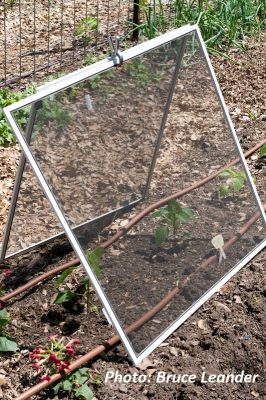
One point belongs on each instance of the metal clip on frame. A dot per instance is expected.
(116, 54)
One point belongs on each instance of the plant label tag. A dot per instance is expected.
(107, 316)
(218, 243)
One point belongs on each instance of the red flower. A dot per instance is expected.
(8, 272)
(36, 366)
(73, 341)
(70, 350)
(53, 358)
(2, 304)
(45, 378)
(64, 365)
(35, 355)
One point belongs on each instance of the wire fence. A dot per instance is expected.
(39, 37)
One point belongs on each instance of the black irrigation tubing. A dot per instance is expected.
(125, 229)
(115, 340)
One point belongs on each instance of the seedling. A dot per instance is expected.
(7, 344)
(170, 217)
(84, 287)
(85, 27)
(7, 97)
(262, 151)
(144, 75)
(53, 111)
(75, 384)
(235, 181)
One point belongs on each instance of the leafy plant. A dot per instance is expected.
(85, 26)
(262, 151)
(82, 288)
(153, 19)
(222, 23)
(8, 97)
(76, 385)
(54, 358)
(170, 217)
(235, 181)
(7, 344)
(52, 111)
(137, 69)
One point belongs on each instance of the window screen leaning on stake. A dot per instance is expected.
(103, 136)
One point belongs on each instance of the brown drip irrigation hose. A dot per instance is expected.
(114, 340)
(130, 224)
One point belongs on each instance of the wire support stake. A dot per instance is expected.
(116, 54)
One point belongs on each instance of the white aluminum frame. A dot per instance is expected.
(78, 76)
(49, 89)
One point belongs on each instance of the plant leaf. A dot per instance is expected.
(67, 385)
(224, 190)
(64, 296)
(262, 151)
(161, 234)
(237, 184)
(64, 275)
(94, 257)
(174, 207)
(85, 392)
(7, 344)
(226, 173)
(185, 214)
(157, 214)
(4, 318)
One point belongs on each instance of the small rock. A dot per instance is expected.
(3, 380)
(195, 342)
(255, 394)
(237, 299)
(173, 351)
(202, 324)
(124, 223)
(146, 363)
(222, 306)
(123, 388)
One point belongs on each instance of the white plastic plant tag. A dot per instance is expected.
(218, 243)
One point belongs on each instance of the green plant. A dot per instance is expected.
(76, 385)
(137, 69)
(54, 358)
(222, 22)
(7, 344)
(82, 288)
(170, 216)
(262, 152)
(52, 111)
(85, 26)
(11, 3)
(252, 116)
(235, 181)
(8, 97)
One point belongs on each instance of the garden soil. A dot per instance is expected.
(226, 335)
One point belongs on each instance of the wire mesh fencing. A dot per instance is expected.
(39, 37)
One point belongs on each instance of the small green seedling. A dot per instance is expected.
(7, 344)
(76, 385)
(262, 151)
(235, 181)
(86, 26)
(170, 217)
(82, 288)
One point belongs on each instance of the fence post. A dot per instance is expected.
(135, 34)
